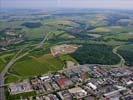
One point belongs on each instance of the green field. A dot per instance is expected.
(100, 30)
(67, 58)
(95, 35)
(11, 78)
(4, 58)
(114, 43)
(123, 36)
(37, 66)
(124, 20)
(116, 28)
(61, 22)
(98, 21)
(60, 34)
(1, 65)
(111, 29)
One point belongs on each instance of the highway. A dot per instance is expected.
(11, 62)
(2, 96)
(5, 70)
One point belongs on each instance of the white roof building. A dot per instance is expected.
(92, 86)
(44, 77)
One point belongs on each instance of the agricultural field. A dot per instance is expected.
(101, 30)
(111, 30)
(125, 20)
(120, 37)
(63, 22)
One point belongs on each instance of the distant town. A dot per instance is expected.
(10, 37)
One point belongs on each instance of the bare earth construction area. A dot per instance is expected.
(64, 49)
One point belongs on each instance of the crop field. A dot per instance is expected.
(98, 21)
(114, 42)
(60, 34)
(116, 28)
(125, 29)
(95, 35)
(100, 30)
(123, 36)
(125, 20)
(111, 29)
(67, 36)
(62, 22)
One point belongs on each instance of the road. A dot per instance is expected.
(42, 42)
(122, 62)
(3, 73)
(2, 96)
(11, 62)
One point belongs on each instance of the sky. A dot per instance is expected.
(43, 4)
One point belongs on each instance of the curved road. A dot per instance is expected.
(122, 62)
(3, 73)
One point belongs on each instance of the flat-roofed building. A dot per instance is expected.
(22, 87)
(65, 95)
(78, 92)
(94, 87)
(64, 82)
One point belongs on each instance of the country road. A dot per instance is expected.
(122, 62)
(12, 61)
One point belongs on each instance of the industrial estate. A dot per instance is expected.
(78, 83)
